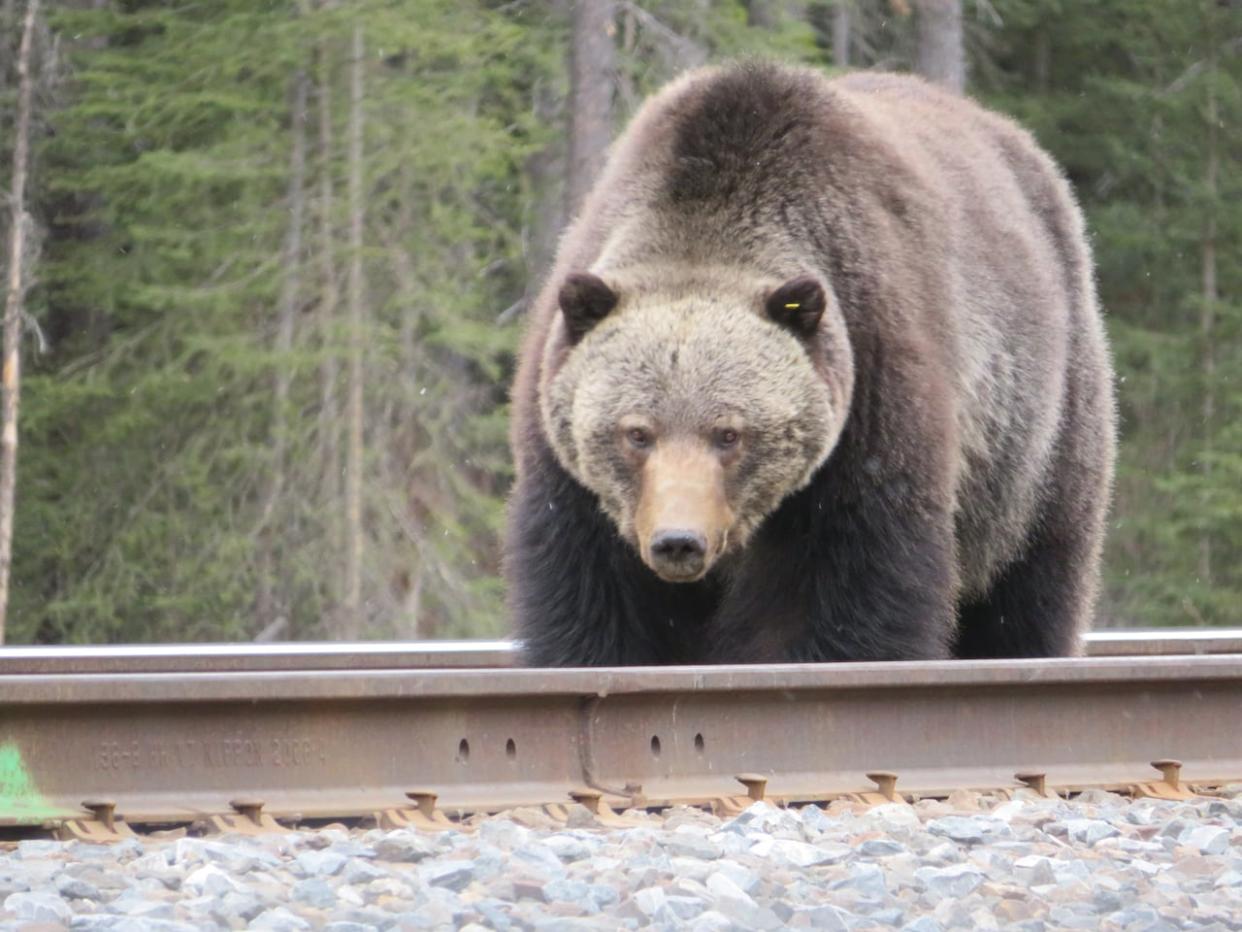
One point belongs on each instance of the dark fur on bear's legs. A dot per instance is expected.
(580, 595)
(1040, 604)
(868, 581)
(1033, 610)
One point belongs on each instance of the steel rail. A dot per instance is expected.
(246, 657)
(377, 655)
(179, 746)
(1128, 642)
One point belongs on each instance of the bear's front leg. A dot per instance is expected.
(841, 573)
(578, 594)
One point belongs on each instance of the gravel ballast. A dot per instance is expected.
(1100, 861)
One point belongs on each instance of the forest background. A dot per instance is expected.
(277, 256)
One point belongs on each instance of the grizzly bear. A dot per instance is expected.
(819, 375)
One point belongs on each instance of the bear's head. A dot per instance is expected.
(692, 413)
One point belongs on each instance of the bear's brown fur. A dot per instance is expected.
(938, 429)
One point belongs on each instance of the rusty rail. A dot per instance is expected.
(161, 746)
(405, 655)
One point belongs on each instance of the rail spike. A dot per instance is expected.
(247, 818)
(1169, 787)
(1035, 781)
(593, 801)
(104, 825)
(756, 791)
(423, 815)
(884, 793)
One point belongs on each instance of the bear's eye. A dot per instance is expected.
(726, 438)
(638, 437)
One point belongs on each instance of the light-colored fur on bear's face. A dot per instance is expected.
(686, 370)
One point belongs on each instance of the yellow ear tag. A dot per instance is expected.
(793, 307)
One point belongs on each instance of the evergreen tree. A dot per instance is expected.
(151, 424)
(186, 439)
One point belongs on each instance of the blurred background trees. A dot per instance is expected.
(284, 251)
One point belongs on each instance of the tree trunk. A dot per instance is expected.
(544, 168)
(329, 296)
(1043, 59)
(14, 310)
(592, 68)
(941, 57)
(761, 14)
(352, 617)
(286, 311)
(841, 33)
(1207, 316)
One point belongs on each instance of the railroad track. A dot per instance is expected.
(407, 732)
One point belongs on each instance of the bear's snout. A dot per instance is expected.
(683, 516)
(678, 554)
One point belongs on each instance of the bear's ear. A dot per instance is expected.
(585, 300)
(798, 305)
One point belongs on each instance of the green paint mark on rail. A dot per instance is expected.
(20, 800)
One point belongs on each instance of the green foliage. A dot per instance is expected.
(161, 495)
(147, 435)
(1128, 90)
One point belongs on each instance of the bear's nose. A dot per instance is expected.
(679, 547)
